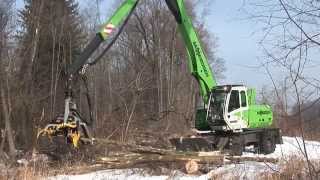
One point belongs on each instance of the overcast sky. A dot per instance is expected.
(237, 44)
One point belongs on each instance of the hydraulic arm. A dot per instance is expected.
(72, 126)
(71, 121)
(121, 16)
(230, 117)
(198, 62)
(228, 110)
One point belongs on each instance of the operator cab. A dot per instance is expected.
(226, 111)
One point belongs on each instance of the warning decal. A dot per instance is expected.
(108, 29)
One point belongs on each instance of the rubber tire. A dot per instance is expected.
(268, 146)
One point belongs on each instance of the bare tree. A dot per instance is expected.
(289, 29)
(144, 80)
(49, 41)
(290, 42)
(6, 14)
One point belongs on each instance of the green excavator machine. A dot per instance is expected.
(229, 117)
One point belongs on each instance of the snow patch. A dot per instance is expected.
(292, 146)
(247, 170)
(128, 174)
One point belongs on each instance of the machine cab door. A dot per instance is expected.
(235, 109)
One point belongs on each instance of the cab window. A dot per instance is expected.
(234, 102)
(243, 99)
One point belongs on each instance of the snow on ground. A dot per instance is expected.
(292, 146)
(127, 174)
(245, 170)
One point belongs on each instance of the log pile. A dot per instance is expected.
(118, 155)
(190, 162)
(131, 160)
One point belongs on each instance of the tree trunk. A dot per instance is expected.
(8, 129)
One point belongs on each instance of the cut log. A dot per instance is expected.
(192, 167)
